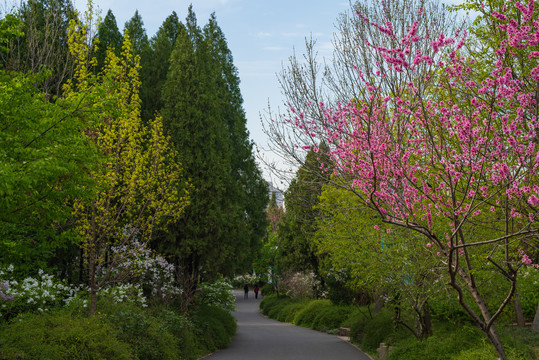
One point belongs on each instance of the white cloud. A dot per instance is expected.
(289, 34)
(263, 34)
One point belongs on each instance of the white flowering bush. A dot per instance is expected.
(41, 293)
(217, 293)
(249, 279)
(300, 285)
(125, 293)
(138, 264)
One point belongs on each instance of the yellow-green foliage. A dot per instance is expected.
(139, 179)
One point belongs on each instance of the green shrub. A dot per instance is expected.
(447, 342)
(182, 328)
(147, 334)
(517, 336)
(487, 352)
(379, 328)
(268, 302)
(217, 293)
(331, 317)
(337, 291)
(278, 306)
(215, 327)
(267, 290)
(59, 335)
(289, 312)
(305, 317)
(447, 308)
(523, 339)
(528, 288)
(356, 322)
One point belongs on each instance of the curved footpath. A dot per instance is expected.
(260, 338)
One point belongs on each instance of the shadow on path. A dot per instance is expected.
(260, 338)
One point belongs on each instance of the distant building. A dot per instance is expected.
(279, 195)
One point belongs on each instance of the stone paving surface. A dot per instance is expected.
(260, 338)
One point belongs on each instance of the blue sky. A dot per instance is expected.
(261, 35)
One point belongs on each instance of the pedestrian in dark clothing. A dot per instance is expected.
(246, 289)
(255, 289)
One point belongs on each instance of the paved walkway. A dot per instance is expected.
(260, 338)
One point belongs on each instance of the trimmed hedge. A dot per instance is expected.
(331, 317)
(289, 312)
(215, 327)
(269, 302)
(305, 317)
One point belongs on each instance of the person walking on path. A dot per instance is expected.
(246, 290)
(255, 289)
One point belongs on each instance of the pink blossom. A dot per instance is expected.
(533, 200)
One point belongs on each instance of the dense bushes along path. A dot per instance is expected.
(265, 339)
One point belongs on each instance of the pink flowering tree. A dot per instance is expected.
(451, 155)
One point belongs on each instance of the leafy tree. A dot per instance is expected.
(44, 43)
(10, 27)
(108, 37)
(267, 257)
(45, 157)
(390, 265)
(138, 179)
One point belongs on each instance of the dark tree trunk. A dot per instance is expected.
(518, 311)
(535, 325)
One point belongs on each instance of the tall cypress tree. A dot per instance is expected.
(109, 37)
(204, 115)
(137, 34)
(190, 114)
(247, 188)
(297, 227)
(154, 67)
